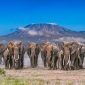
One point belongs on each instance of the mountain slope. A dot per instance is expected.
(41, 32)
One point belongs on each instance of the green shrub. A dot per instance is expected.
(2, 71)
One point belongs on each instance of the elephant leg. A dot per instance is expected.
(73, 58)
(66, 65)
(80, 61)
(43, 56)
(44, 61)
(76, 64)
(10, 62)
(6, 62)
(60, 61)
(50, 63)
(54, 62)
(32, 61)
(0, 59)
(82, 58)
(36, 61)
(22, 62)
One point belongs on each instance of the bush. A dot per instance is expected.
(2, 71)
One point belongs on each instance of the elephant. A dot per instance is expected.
(43, 53)
(51, 55)
(33, 51)
(76, 61)
(82, 54)
(60, 59)
(46, 54)
(58, 55)
(66, 60)
(55, 56)
(19, 52)
(8, 55)
(14, 55)
(2, 49)
(72, 59)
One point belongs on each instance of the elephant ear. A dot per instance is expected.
(74, 47)
(73, 51)
(11, 45)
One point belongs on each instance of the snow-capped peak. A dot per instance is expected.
(52, 23)
(22, 28)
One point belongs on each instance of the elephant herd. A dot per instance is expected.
(64, 56)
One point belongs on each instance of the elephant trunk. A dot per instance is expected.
(16, 58)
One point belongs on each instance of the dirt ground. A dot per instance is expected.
(48, 75)
(44, 74)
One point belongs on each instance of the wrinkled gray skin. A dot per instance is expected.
(2, 49)
(66, 59)
(18, 55)
(43, 53)
(60, 59)
(60, 64)
(72, 59)
(49, 56)
(33, 52)
(21, 54)
(14, 55)
(76, 61)
(8, 56)
(55, 57)
(82, 54)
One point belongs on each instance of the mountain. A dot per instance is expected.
(44, 32)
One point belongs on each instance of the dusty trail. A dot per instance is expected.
(44, 74)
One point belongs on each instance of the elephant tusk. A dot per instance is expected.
(16, 58)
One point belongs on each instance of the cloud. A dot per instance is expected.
(33, 32)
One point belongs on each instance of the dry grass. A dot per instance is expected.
(43, 77)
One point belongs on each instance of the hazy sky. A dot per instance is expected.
(16, 13)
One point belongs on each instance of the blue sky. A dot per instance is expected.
(18, 13)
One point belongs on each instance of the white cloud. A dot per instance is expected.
(33, 32)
